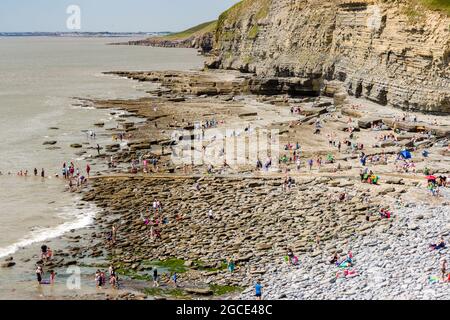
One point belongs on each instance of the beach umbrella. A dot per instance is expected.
(431, 177)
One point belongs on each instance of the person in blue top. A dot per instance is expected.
(258, 290)
(174, 279)
(231, 265)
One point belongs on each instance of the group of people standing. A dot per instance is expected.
(100, 278)
(46, 255)
(40, 276)
(74, 175)
(24, 173)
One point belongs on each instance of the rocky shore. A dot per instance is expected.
(255, 218)
(393, 263)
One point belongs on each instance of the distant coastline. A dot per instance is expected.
(81, 34)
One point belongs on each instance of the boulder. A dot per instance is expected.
(367, 122)
(49, 143)
(8, 264)
(188, 263)
(394, 181)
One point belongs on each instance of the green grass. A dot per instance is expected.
(253, 32)
(228, 35)
(229, 17)
(264, 10)
(172, 265)
(414, 9)
(247, 60)
(197, 30)
(223, 290)
(133, 274)
(440, 5)
(201, 267)
(218, 290)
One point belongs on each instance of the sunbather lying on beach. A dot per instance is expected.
(347, 262)
(347, 273)
(334, 259)
(384, 213)
(440, 245)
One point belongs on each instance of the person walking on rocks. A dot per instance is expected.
(159, 206)
(175, 279)
(290, 256)
(88, 170)
(155, 206)
(112, 271)
(155, 278)
(98, 280)
(310, 164)
(258, 290)
(231, 265)
(114, 233)
(443, 269)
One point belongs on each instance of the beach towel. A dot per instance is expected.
(433, 279)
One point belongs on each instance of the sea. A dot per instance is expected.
(40, 78)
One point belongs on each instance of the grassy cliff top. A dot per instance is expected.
(441, 5)
(191, 32)
(259, 7)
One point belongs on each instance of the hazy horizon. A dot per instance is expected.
(21, 16)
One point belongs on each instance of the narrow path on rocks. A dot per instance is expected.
(253, 176)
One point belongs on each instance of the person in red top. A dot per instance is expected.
(350, 254)
(88, 169)
(384, 213)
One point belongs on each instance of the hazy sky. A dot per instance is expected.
(109, 15)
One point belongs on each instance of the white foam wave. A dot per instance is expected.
(83, 219)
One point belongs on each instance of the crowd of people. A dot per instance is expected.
(155, 217)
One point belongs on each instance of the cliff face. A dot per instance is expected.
(374, 47)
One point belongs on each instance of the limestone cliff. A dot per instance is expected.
(380, 50)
